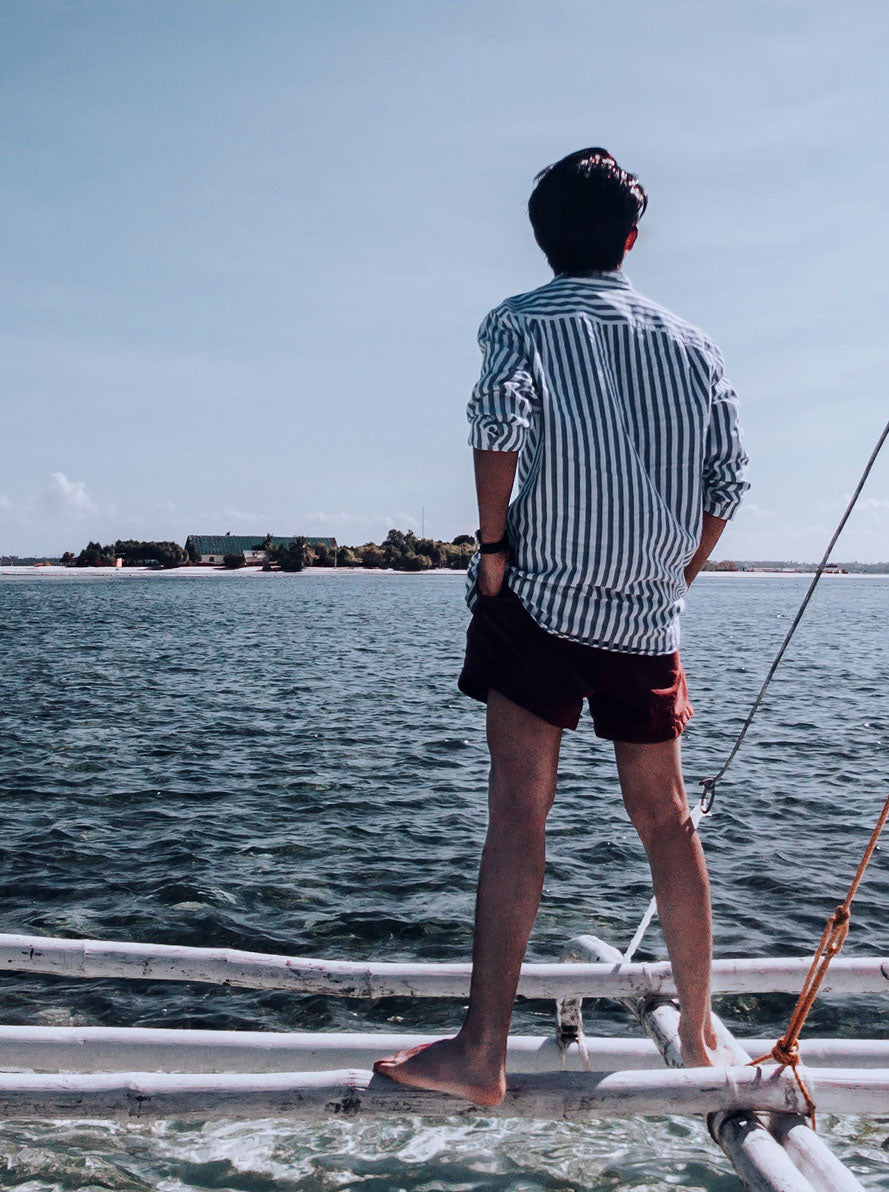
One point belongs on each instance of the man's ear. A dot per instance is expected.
(631, 239)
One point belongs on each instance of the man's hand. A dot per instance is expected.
(491, 571)
(495, 473)
(494, 476)
(711, 528)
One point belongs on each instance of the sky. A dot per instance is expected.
(248, 245)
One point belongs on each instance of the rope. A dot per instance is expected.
(709, 784)
(651, 909)
(786, 1049)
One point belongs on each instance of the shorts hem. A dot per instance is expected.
(479, 691)
(652, 737)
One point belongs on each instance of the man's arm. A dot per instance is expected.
(725, 460)
(724, 478)
(711, 531)
(494, 477)
(502, 407)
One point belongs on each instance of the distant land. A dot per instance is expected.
(783, 566)
(400, 551)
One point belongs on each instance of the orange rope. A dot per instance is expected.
(786, 1050)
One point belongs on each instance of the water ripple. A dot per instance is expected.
(284, 764)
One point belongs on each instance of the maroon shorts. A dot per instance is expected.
(639, 698)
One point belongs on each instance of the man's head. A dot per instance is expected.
(584, 211)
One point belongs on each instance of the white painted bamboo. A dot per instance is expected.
(807, 1150)
(556, 1095)
(813, 1158)
(134, 1049)
(761, 1164)
(153, 1049)
(149, 1049)
(253, 970)
(741, 1136)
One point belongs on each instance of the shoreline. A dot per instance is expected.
(54, 572)
(37, 571)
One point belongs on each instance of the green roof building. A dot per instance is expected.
(212, 548)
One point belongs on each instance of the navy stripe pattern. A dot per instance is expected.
(627, 428)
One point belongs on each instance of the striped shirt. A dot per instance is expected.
(627, 429)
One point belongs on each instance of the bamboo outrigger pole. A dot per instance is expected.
(747, 1138)
(162, 1049)
(346, 978)
(567, 1096)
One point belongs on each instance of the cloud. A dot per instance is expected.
(748, 509)
(358, 527)
(58, 517)
(340, 519)
(403, 521)
(66, 497)
(863, 504)
(224, 518)
(60, 500)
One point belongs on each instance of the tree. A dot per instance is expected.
(164, 554)
(398, 546)
(456, 556)
(371, 555)
(464, 540)
(293, 556)
(430, 548)
(234, 560)
(95, 555)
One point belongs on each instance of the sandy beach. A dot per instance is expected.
(52, 571)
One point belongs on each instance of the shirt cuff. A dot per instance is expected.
(486, 434)
(724, 505)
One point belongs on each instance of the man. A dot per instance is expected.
(618, 420)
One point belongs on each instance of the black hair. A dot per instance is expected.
(582, 209)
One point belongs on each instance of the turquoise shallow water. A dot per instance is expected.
(283, 763)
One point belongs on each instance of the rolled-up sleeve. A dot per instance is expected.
(725, 462)
(504, 400)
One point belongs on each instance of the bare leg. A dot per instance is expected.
(654, 796)
(522, 785)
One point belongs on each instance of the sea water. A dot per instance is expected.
(282, 763)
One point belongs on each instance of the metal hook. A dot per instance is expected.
(708, 795)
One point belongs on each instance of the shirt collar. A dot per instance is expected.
(611, 278)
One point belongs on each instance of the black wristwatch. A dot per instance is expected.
(492, 548)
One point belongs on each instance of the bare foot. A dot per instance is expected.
(447, 1067)
(702, 1049)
